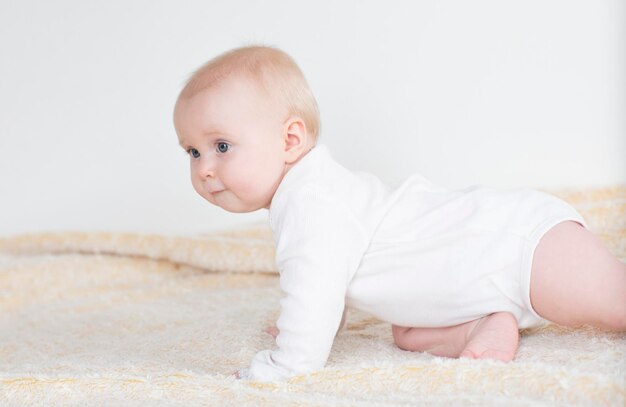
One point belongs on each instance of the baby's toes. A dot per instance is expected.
(484, 353)
(495, 337)
(467, 353)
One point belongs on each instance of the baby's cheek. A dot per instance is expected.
(260, 185)
(197, 186)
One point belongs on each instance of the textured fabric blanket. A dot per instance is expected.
(134, 319)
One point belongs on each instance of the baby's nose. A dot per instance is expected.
(209, 173)
(207, 169)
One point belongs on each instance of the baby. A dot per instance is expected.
(456, 272)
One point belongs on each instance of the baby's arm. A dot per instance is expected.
(344, 317)
(318, 248)
(273, 330)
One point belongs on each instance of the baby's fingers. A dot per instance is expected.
(242, 374)
(272, 330)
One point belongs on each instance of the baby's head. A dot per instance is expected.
(245, 118)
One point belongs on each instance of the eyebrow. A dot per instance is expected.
(207, 135)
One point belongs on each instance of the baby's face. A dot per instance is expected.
(233, 137)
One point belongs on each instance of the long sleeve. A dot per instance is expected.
(319, 245)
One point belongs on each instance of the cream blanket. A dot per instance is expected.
(135, 319)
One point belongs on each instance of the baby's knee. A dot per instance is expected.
(615, 319)
(400, 336)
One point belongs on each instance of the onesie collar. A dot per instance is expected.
(317, 155)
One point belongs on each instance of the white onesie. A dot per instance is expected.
(416, 256)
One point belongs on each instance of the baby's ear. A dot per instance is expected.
(296, 139)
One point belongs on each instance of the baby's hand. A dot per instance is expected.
(272, 330)
(241, 374)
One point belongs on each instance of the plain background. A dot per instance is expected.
(501, 93)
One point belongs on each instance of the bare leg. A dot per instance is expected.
(575, 280)
(495, 336)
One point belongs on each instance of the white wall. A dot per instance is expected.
(503, 93)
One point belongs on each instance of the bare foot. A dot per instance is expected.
(495, 336)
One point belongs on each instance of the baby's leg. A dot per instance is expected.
(492, 337)
(575, 280)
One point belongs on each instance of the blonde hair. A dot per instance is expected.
(273, 70)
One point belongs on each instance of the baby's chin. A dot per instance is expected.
(231, 204)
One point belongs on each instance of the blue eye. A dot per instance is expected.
(222, 147)
(193, 152)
